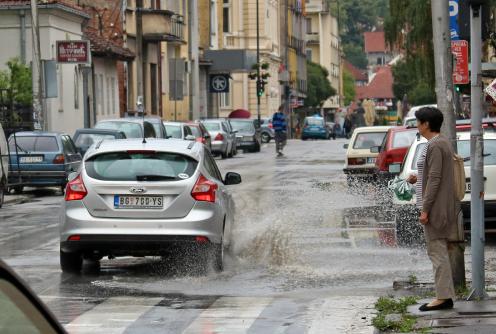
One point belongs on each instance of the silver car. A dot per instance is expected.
(137, 199)
(223, 137)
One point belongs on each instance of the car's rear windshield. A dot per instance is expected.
(404, 138)
(196, 131)
(158, 130)
(314, 121)
(173, 130)
(130, 129)
(242, 125)
(464, 152)
(140, 166)
(88, 139)
(27, 144)
(366, 140)
(212, 126)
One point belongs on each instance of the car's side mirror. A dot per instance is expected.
(190, 137)
(375, 149)
(395, 168)
(232, 178)
(345, 146)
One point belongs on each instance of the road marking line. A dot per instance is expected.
(231, 315)
(112, 316)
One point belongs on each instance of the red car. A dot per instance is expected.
(393, 151)
(201, 134)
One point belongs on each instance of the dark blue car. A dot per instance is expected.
(39, 159)
(314, 127)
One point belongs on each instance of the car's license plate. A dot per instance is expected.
(468, 187)
(371, 160)
(138, 202)
(30, 160)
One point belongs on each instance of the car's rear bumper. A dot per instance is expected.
(38, 178)
(219, 146)
(137, 236)
(246, 144)
(318, 135)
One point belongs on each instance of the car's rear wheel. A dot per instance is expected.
(224, 155)
(265, 137)
(17, 189)
(2, 194)
(71, 262)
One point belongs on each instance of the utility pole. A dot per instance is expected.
(36, 76)
(444, 92)
(139, 52)
(259, 80)
(194, 103)
(287, 87)
(476, 155)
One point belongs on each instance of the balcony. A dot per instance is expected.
(317, 6)
(313, 38)
(158, 25)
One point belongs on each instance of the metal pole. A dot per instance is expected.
(36, 69)
(139, 50)
(476, 158)
(258, 65)
(194, 59)
(444, 92)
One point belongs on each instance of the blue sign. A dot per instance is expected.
(219, 83)
(454, 10)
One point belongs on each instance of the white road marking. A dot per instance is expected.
(233, 315)
(112, 316)
(350, 315)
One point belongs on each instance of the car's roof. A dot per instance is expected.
(381, 128)
(209, 120)
(99, 131)
(403, 128)
(190, 148)
(37, 134)
(174, 123)
(242, 119)
(138, 120)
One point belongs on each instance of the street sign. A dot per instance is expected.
(454, 9)
(461, 75)
(491, 90)
(73, 52)
(219, 83)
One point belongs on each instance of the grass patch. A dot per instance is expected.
(385, 306)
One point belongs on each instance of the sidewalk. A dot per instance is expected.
(466, 317)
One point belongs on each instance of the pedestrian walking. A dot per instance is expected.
(437, 202)
(280, 126)
(347, 125)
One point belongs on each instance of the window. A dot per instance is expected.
(130, 129)
(211, 167)
(76, 88)
(404, 138)
(212, 126)
(309, 54)
(226, 16)
(107, 96)
(113, 88)
(379, 60)
(224, 100)
(33, 144)
(173, 130)
(309, 25)
(153, 88)
(366, 140)
(100, 95)
(68, 145)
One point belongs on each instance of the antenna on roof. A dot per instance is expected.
(141, 109)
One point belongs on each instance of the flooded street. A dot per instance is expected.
(309, 255)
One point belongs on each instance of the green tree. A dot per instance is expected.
(355, 55)
(348, 87)
(319, 87)
(17, 78)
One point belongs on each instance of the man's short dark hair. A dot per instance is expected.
(432, 115)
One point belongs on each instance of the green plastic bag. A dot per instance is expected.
(403, 190)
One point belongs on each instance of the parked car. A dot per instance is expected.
(406, 217)
(178, 130)
(4, 165)
(133, 127)
(201, 134)
(410, 119)
(143, 199)
(314, 127)
(360, 161)
(392, 151)
(84, 138)
(40, 159)
(22, 310)
(466, 124)
(223, 137)
(158, 126)
(266, 130)
(247, 134)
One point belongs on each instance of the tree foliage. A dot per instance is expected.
(409, 28)
(17, 78)
(319, 87)
(348, 87)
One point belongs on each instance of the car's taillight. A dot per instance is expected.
(59, 159)
(199, 139)
(271, 126)
(204, 190)
(219, 137)
(356, 161)
(75, 190)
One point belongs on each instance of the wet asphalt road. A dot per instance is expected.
(301, 262)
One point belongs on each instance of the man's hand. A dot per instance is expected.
(424, 218)
(412, 179)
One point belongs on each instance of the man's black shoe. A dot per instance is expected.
(447, 304)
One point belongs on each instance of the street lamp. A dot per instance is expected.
(258, 85)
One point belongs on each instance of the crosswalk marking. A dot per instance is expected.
(112, 316)
(233, 315)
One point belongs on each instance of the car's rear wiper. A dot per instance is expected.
(152, 177)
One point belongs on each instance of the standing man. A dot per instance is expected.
(280, 126)
(437, 203)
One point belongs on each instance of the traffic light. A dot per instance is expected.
(457, 88)
(260, 87)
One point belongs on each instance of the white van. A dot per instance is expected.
(4, 165)
(410, 119)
